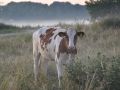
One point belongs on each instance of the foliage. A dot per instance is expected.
(103, 73)
(103, 8)
(5, 28)
(110, 23)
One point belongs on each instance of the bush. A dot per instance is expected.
(110, 23)
(113, 74)
(102, 73)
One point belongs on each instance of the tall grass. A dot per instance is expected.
(96, 67)
(102, 73)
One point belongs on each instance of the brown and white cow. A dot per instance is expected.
(54, 44)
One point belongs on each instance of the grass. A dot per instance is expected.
(98, 51)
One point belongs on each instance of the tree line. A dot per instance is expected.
(103, 8)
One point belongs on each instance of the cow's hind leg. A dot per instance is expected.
(36, 58)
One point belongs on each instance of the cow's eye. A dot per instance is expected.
(66, 37)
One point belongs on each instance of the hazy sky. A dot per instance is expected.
(2, 2)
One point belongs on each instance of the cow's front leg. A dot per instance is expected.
(60, 71)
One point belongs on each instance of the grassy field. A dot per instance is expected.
(97, 64)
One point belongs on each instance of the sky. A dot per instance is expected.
(3, 2)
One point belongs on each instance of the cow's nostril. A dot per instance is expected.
(72, 50)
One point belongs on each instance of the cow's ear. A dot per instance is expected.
(81, 34)
(61, 34)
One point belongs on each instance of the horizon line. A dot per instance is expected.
(1, 3)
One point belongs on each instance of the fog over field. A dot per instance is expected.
(45, 22)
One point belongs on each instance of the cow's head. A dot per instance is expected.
(68, 42)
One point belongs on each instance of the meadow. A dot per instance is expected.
(96, 67)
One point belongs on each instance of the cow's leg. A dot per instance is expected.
(36, 57)
(60, 71)
(45, 66)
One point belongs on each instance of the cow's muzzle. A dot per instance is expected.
(72, 51)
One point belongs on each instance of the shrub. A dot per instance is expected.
(102, 73)
(110, 23)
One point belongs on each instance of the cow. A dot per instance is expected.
(54, 43)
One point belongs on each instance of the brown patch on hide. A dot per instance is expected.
(45, 38)
(63, 47)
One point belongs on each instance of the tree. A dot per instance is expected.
(103, 8)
